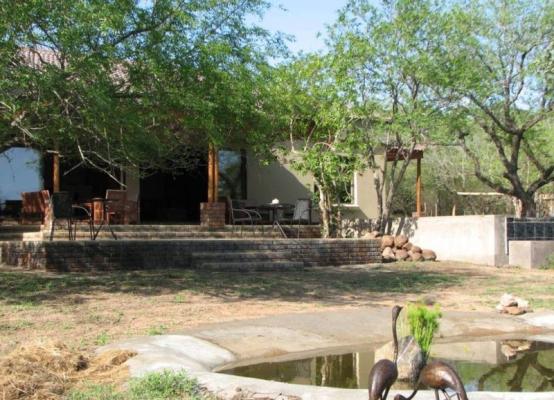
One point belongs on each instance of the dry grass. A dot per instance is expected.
(90, 310)
(48, 371)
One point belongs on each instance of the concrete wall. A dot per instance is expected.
(477, 239)
(530, 253)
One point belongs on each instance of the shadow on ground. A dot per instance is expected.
(331, 285)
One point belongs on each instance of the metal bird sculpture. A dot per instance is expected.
(384, 372)
(438, 375)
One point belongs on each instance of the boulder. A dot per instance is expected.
(428, 255)
(401, 254)
(388, 254)
(416, 249)
(387, 241)
(410, 358)
(514, 310)
(408, 246)
(415, 256)
(369, 235)
(508, 300)
(400, 241)
(376, 234)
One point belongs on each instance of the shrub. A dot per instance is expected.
(423, 323)
(166, 385)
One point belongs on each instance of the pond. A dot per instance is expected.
(500, 366)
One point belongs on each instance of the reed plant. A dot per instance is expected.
(423, 323)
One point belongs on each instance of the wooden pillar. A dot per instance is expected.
(418, 188)
(55, 171)
(213, 174)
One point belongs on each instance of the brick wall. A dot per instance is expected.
(151, 254)
(212, 214)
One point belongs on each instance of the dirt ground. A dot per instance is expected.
(88, 310)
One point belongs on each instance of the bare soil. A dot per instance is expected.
(88, 310)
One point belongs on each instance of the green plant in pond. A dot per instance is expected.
(423, 323)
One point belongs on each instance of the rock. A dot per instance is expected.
(508, 300)
(400, 241)
(401, 254)
(368, 235)
(376, 234)
(387, 241)
(388, 254)
(410, 358)
(428, 255)
(408, 246)
(416, 249)
(415, 256)
(523, 304)
(499, 308)
(514, 310)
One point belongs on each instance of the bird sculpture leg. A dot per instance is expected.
(437, 394)
(386, 394)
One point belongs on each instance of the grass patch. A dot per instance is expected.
(157, 330)
(166, 385)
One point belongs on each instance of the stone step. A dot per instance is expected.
(251, 266)
(105, 234)
(240, 256)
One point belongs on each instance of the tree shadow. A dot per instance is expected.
(327, 285)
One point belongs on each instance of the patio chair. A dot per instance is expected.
(239, 215)
(120, 209)
(302, 213)
(34, 206)
(62, 209)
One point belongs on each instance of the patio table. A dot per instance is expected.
(275, 212)
(99, 213)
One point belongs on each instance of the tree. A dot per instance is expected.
(379, 52)
(492, 71)
(123, 83)
(317, 121)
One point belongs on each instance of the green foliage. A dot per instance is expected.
(102, 339)
(134, 83)
(166, 385)
(423, 323)
(157, 330)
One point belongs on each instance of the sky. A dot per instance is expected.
(303, 19)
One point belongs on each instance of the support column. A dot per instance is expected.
(418, 188)
(55, 171)
(212, 213)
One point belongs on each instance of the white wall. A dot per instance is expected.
(477, 239)
(530, 253)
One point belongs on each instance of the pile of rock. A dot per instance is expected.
(399, 248)
(510, 304)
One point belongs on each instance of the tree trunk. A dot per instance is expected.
(526, 206)
(325, 211)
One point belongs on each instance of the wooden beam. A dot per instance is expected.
(418, 188)
(213, 174)
(55, 171)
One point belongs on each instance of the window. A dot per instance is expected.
(232, 174)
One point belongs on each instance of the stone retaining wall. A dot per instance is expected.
(103, 255)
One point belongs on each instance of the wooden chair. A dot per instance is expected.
(35, 206)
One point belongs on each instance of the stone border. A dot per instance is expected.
(203, 350)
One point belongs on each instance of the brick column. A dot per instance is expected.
(212, 215)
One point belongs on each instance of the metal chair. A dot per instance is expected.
(61, 208)
(302, 214)
(238, 215)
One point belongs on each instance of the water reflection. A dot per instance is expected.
(507, 366)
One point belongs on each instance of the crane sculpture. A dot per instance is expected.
(439, 376)
(384, 372)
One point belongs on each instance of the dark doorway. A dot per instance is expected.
(175, 196)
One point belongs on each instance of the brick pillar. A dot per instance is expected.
(212, 215)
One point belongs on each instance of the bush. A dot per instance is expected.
(423, 323)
